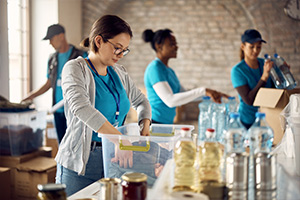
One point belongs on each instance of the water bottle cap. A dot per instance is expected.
(260, 114)
(231, 98)
(234, 115)
(206, 98)
(275, 55)
(266, 56)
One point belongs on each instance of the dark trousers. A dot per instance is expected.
(60, 125)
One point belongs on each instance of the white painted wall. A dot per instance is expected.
(4, 67)
(43, 14)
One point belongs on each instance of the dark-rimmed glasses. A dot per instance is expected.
(118, 51)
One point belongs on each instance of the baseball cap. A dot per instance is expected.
(251, 36)
(53, 30)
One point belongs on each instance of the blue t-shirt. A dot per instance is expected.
(62, 58)
(156, 72)
(242, 74)
(105, 102)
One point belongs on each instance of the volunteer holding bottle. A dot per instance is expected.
(250, 74)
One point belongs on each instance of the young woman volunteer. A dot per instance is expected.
(250, 74)
(97, 96)
(164, 90)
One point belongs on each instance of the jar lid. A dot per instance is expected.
(51, 187)
(134, 177)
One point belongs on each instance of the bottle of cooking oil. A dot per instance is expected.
(185, 157)
(210, 158)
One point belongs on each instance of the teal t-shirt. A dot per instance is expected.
(62, 58)
(156, 72)
(242, 74)
(105, 101)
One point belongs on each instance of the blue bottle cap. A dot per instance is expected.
(234, 115)
(266, 56)
(275, 55)
(206, 98)
(260, 114)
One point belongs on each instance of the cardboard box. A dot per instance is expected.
(29, 174)
(51, 138)
(5, 184)
(13, 161)
(272, 102)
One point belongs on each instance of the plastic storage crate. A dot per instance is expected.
(21, 132)
(150, 153)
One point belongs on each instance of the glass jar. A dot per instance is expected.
(134, 186)
(51, 191)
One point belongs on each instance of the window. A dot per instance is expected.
(18, 48)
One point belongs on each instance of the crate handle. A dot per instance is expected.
(135, 148)
(163, 134)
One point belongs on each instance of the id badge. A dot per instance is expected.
(58, 82)
(116, 124)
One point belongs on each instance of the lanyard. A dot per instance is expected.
(250, 69)
(117, 99)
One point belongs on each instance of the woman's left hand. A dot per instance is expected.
(145, 127)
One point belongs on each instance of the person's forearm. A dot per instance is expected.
(39, 91)
(166, 94)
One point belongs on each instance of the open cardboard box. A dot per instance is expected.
(272, 101)
(28, 175)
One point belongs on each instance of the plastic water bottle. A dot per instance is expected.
(289, 80)
(275, 74)
(218, 119)
(204, 120)
(185, 160)
(235, 135)
(231, 106)
(261, 135)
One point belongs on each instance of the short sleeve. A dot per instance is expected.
(238, 76)
(157, 73)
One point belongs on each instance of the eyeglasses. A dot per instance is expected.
(118, 51)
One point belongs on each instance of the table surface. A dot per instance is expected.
(288, 184)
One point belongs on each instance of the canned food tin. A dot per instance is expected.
(134, 186)
(265, 171)
(110, 189)
(237, 171)
(51, 191)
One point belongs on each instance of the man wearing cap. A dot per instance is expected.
(250, 74)
(64, 52)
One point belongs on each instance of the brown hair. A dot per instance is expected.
(242, 54)
(108, 26)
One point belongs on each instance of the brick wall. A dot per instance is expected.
(208, 35)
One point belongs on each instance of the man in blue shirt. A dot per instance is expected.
(64, 52)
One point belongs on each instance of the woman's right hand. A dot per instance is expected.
(215, 95)
(123, 157)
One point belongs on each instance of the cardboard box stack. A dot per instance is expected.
(272, 102)
(25, 172)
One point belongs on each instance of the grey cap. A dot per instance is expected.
(53, 30)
